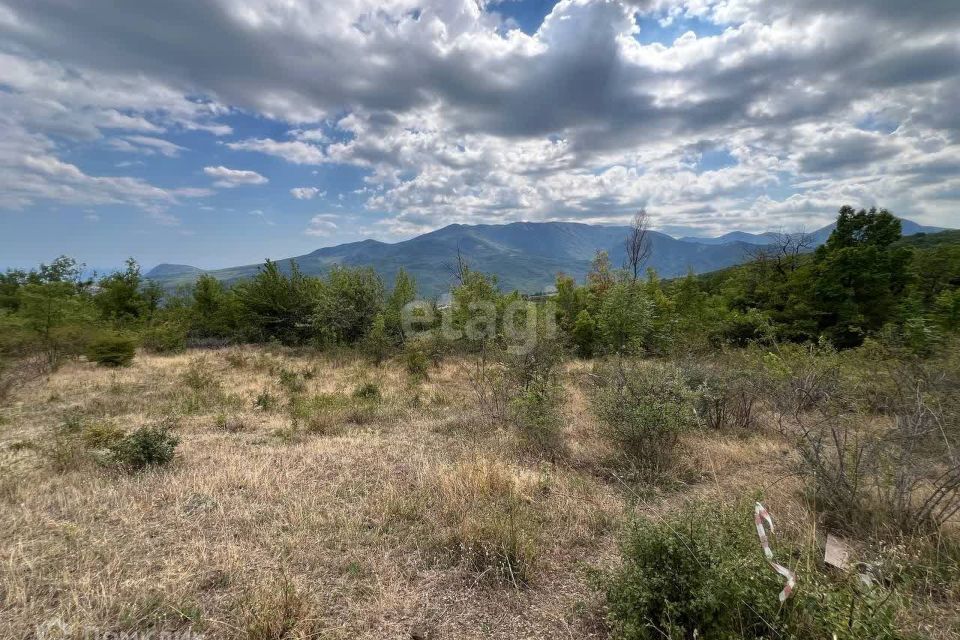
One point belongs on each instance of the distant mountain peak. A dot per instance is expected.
(523, 255)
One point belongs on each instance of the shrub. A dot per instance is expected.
(367, 391)
(231, 424)
(164, 337)
(583, 333)
(199, 378)
(64, 452)
(726, 399)
(899, 478)
(702, 574)
(100, 435)
(538, 419)
(266, 401)
(112, 350)
(417, 363)
(377, 344)
(803, 377)
(147, 446)
(292, 381)
(642, 411)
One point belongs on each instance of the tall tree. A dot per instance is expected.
(859, 275)
(404, 292)
(637, 244)
(119, 297)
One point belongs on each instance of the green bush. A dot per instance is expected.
(112, 350)
(145, 447)
(164, 337)
(367, 391)
(100, 435)
(199, 377)
(293, 381)
(266, 401)
(537, 417)
(702, 574)
(642, 410)
(417, 363)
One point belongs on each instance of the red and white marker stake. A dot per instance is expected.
(760, 516)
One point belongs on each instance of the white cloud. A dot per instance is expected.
(293, 151)
(227, 178)
(456, 118)
(306, 193)
(322, 225)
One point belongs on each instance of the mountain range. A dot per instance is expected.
(523, 255)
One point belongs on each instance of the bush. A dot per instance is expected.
(112, 350)
(417, 363)
(164, 337)
(100, 435)
(726, 399)
(883, 480)
(377, 344)
(803, 377)
(642, 411)
(199, 378)
(145, 447)
(367, 391)
(538, 419)
(292, 381)
(266, 401)
(702, 574)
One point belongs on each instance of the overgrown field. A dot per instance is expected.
(267, 492)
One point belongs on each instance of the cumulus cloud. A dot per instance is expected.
(306, 193)
(228, 178)
(455, 117)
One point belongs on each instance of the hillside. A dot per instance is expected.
(523, 255)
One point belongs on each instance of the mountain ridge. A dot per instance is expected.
(523, 255)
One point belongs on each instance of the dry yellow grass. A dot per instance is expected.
(345, 518)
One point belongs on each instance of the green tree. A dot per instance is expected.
(119, 297)
(278, 306)
(377, 342)
(213, 309)
(58, 317)
(350, 300)
(946, 309)
(626, 318)
(404, 292)
(570, 300)
(584, 330)
(858, 276)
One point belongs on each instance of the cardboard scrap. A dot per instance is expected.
(837, 553)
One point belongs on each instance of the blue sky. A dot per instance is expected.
(224, 132)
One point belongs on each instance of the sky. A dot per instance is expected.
(222, 132)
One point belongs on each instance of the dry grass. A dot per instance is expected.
(320, 514)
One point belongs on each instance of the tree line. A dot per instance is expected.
(863, 281)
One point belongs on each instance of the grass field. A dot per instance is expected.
(298, 506)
